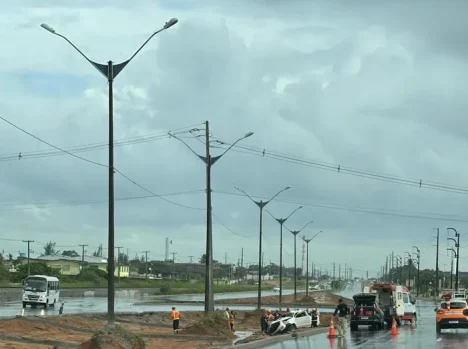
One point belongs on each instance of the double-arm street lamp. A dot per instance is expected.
(457, 254)
(281, 221)
(209, 162)
(295, 232)
(418, 256)
(110, 72)
(261, 205)
(307, 260)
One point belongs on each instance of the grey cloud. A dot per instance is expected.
(380, 117)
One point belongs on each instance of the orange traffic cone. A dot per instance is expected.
(331, 330)
(394, 331)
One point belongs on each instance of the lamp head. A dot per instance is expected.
(48, 28)
(170, 23)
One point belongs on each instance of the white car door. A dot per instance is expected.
(301, 319)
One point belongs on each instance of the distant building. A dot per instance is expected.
(72, 265)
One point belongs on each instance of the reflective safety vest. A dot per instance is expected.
(175, 315)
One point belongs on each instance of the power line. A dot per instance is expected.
(94, 146)
(98, 164)
(44, 205)
(404, 214)
(345, 170)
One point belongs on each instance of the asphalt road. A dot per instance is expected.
(422, 337)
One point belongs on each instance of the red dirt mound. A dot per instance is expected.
(213, 324)
(114, 337)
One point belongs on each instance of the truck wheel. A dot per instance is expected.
(399, 321)
(46, 304)
(353, 327)
(24, 304)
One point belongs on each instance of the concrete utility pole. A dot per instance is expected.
(118, 262)
(225, 258)
(333, 271)
(437, 266)
(146, 264)
(29, 250)
(191, 259)
(173, 262)
(242, 258)
(82, 254)
(209, 162)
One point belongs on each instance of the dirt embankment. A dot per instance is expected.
(313, 300)
(153, 328)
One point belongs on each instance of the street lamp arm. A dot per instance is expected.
(94, 64)
(297, 209)
(166, 26)
(416, 247)
(279, 192)
(455, 230)
(243, 192)
(305, 225)
(455, 241)
(454, 252)
(316, 235)
(233, 144)
(203, 158)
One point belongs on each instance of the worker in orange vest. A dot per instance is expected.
(175, 320)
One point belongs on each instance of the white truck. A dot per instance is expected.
(395, 301)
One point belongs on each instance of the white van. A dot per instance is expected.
(41, 289)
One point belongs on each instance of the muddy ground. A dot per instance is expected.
(70, 331)
(315, 299)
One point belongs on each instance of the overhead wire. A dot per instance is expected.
(98, 164)
(404, 214)
(337, 168)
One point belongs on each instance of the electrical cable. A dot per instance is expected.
(404, 214)
(98, 164)
(345, 170)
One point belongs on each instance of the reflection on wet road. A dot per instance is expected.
(422, 337)
(99, 305)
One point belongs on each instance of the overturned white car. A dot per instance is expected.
(294, 320)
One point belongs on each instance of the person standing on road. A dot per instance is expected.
(175, 320)
(342, 310)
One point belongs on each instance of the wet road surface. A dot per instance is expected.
(99, 305)
(422, 337)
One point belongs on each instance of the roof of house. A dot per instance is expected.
(87, 259)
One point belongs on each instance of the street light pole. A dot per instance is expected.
(209, 162)
(281, 221)
(418, 289)
(261, 205)
(110, 72)
(457, 245)
(295, 232)
(307, 261)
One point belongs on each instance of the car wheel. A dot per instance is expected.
(353, 327)
(438, 329)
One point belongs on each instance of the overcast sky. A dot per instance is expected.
(377, 89)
